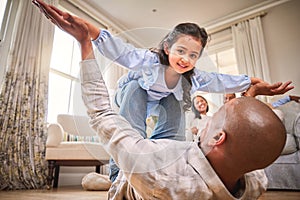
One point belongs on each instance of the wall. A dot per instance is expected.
(282, 36)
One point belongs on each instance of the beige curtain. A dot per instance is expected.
(23, 100)
(250, 49)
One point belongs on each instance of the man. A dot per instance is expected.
(220, 166)
(228, 97)
(233, 144)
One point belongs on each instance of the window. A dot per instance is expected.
(221, 52)
(225, 61)
(220, 58)
(2, 12)
(63, 77)
(64, 85)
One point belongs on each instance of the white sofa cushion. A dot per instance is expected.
(55, 135)
(77, 151)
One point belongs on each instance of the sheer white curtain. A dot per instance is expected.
(23, 100)
(250, 49)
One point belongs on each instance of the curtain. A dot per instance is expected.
(250, 49)
(23, 100)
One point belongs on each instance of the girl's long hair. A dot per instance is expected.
(196, 32)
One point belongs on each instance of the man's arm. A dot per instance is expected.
(115, 133)
(128, 148)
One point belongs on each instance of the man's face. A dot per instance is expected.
(213, 127)
(228, 97)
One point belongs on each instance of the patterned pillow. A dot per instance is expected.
(77, 138)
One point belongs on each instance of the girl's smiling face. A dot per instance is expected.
(184, 53)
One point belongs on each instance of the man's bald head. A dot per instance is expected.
(255, 130)
(254, 135)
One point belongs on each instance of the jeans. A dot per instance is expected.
(132, 100)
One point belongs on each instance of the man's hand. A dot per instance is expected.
(80, 29)
(75, 26)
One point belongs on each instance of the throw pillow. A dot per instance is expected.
(95, 181)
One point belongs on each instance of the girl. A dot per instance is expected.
(160, 81)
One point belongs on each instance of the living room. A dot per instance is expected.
(279, 20)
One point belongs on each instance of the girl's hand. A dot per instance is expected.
(264, 88)
(255, 80)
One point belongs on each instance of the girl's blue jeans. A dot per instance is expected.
(132, 101)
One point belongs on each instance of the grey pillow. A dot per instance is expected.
(290, 145)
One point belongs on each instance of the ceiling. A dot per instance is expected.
(167, 13)
(150, 20)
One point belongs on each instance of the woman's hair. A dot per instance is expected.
(196, 32)
(195, 111)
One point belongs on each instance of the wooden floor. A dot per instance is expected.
(77, 193)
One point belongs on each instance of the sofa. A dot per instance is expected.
(284, 173)
(72, 142)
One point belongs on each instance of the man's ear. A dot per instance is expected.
(218, 139)
(166, 48)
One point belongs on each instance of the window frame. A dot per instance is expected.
(4, 21)
(62, 76)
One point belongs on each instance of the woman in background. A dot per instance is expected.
(197, 120)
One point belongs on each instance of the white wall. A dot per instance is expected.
(282, 35)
